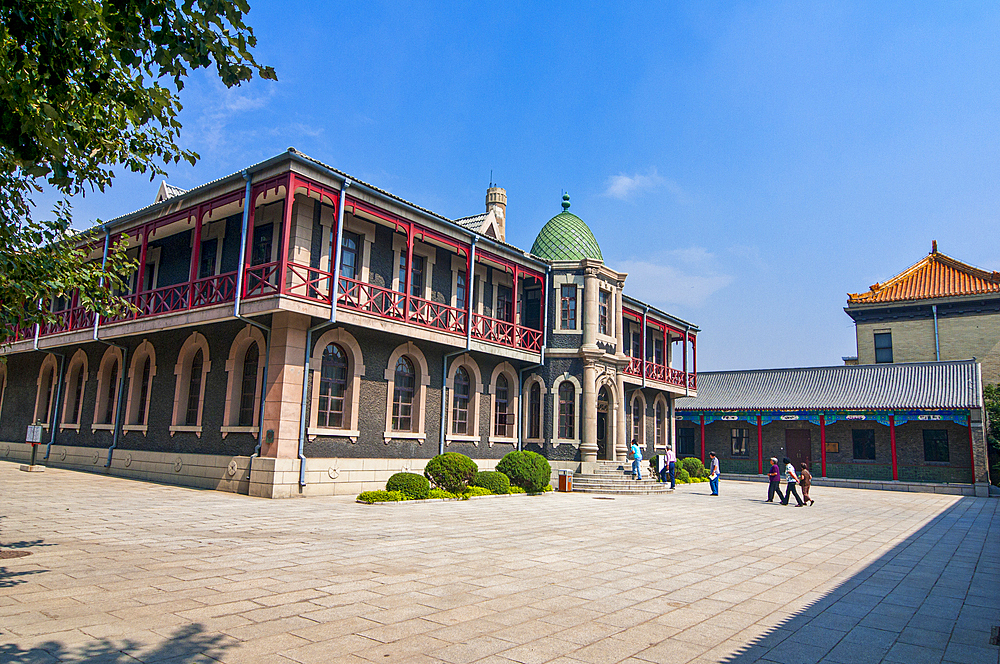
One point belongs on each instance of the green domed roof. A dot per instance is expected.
(566, 238)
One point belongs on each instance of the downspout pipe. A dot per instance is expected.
(104, 262)
(687, 383)
(470, 284)
(335, 286)
(247, 204)
(937, 341)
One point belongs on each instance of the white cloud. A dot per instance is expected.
(683, 277)
(628, 187)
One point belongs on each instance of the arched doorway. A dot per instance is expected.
(605, 425)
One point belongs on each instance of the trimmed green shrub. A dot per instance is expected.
(693, 466)
(682, 476)
(370, 497)
(495, 482)
(440, 493)
(528, 470)
(414, 486)
(547, 488)
(475, 491)
(451, 471)
(516, 489)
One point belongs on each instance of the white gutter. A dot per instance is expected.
(937, 342)
(335, 286)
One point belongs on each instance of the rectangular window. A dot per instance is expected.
(350, 255)
(461, 291)
(603, 298)
(658, 351)
(416, 275)
(260, 251)
(568, 308)
(936, 445)
(864, 444)
(685, 441)
(740, 437)
(504, 309)
(209, 252)
(883, 347)
(637, 344)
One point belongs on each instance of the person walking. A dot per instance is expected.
(636, 460)
(806, 480)
(670, 466)
(774, 482)
(792, 482)
(713, 473)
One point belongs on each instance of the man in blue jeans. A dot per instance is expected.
(713, 473)
(669, 466)
(636, 460)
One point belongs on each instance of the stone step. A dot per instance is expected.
(647, 491)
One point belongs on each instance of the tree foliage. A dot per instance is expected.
(87, 86)
(991, 401)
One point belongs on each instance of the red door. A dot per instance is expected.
(798, 446)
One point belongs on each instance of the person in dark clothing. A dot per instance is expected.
(774, 484)
(792, 484)
(806, 481)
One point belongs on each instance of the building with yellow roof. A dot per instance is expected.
(938, 309)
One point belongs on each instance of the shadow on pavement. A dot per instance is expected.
(188, 644)
(932, 598)
(16, 551)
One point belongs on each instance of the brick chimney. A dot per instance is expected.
(496, 202)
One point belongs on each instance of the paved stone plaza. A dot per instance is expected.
(123, 571)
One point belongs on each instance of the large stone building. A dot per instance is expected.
(239, 370)
(938, 309)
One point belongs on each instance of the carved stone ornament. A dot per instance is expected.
(178, 464)
(333, 473)
(233, 467)
(128, 460)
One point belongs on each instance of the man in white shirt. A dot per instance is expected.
(669, 466)
(713, 473)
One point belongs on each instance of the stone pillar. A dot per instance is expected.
(622, 433)
(284, 385)
(590, 288)
(977, 443)
(588, 445)
(619, 323)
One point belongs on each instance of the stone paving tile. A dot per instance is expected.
(168, 574)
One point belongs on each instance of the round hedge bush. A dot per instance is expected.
(693, 466)
(681, 476)
(497, 483)
(451, 471)
(416, 487)
(528, 470)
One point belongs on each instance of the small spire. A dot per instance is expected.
(565, 202)
(933, 246)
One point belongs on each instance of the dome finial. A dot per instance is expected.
(565, 202)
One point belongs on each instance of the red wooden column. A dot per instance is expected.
(760, 445)
(892, 444)
(407, 284)
(972, 451)
(286, 227)
(703, 438)
(694, 356)
(822, 445)
(686, 355)
(513, 312)
(195, 258)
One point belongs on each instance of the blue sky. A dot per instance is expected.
(747, 163)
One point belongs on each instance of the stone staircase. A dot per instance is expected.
(615, 477)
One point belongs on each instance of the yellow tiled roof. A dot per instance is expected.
(935, 276)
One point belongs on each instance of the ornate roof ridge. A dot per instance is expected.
(932, 287)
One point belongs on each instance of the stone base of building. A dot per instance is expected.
(261, 477)
(979, 489)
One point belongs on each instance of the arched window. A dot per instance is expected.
(637, 419)
(76, 380)
(460, 403)
(501, 405)
(46, 390)
(194, 390)
(659, 426)
(567, 410)
(142, 370)
(402, 395)
(3, 386)
(248, 386)
(109, 394)
(535, 411)
(191, 371)
(332, 387)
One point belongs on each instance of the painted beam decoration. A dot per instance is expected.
(960, 417)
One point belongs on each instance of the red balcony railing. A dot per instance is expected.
(310, 284)
(661, 373)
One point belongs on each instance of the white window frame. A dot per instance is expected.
(420, 386)
(79, 362)
(475, 389)
(352, 400)
(182, 384)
